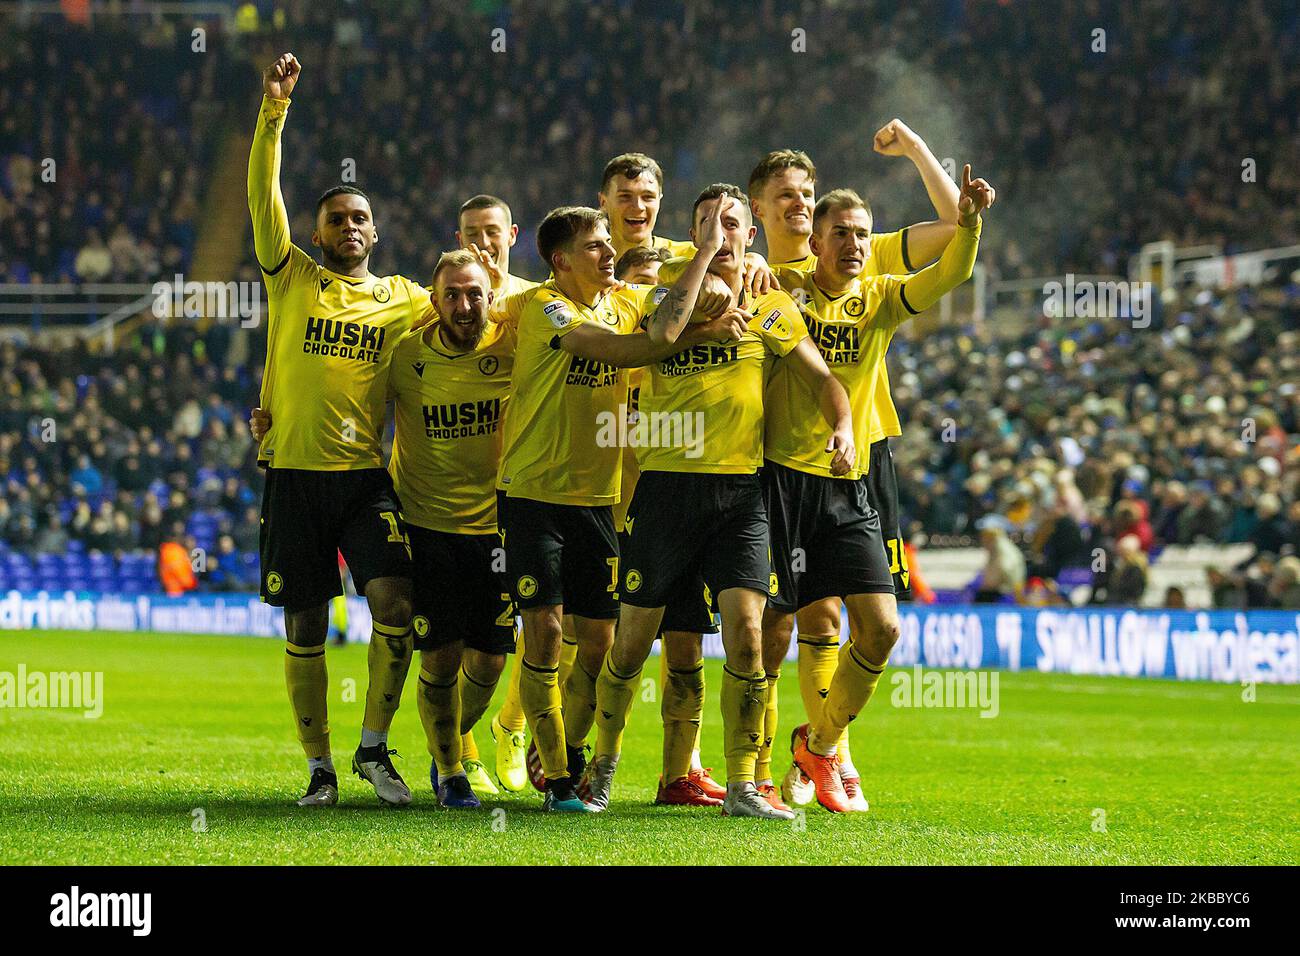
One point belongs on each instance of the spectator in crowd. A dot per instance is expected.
(1003, 576)
(1128, 579)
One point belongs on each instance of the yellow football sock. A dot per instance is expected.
(568, 654)
(439, 705)
(744, 702)
(842, 748)
(682, 706)
(614, 703)
(511, 714)
(854, 682)
(307, 680)
(468, 745)
(539, 692)
(816, 666)
(474, 699)
(388, 660)
(579, 701)
(763, 765)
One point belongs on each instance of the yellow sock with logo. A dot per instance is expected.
(306, 678)
(763, 765)
(388, 660)
(613, 705)
(682, 706)
(539, 692)
(817, 659)
(744, 702)
(439, 705)
(851, 688)
(579, 697)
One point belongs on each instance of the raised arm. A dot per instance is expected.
(925, 240)
(674, 312)
(265, 201)
(958, 260)
(623, 350)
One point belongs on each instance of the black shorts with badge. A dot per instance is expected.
(308, 517)
(826, 538)
(882, 490)
(690, 609)
(460, 592)
(683, 528)
(560, 554)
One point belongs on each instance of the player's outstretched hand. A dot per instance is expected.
(845, 451)
(895, 138)
(710, 236)
(976, 196)
(759, 279)
(259, 423)
(279, 79)
(489, 263)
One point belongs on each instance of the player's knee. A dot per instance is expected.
(484, 668)
(876, 640)
(307, 627)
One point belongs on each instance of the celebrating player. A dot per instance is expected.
(559, 477)
(827, 520)
(698, 509)
(332, 331)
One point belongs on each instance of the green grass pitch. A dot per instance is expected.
(1073, 770)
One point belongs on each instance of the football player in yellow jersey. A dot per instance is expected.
(486, 228)
(783, 189)
(826, 535)
(631, 191)
(332, 330)
(560, 469)
(698, 509)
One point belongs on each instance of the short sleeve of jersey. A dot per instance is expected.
(675, 247)
(671, 271)
(560, 316)
(891, 294)
(778, 323)
(888, 254)
(509, 305)
(422, 308)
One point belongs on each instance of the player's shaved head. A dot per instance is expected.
(563, 225)
(835, 201)
(776, 161)
(484, 201)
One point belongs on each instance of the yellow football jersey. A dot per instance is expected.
(330, 337)
(509, 301)
(701, 410)
(852, 331)
(450, 408)
(563, 407)
(888, 257)
(676, 247)
(631, 470)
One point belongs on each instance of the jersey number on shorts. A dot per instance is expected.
(395, 535)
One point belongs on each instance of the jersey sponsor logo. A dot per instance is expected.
(839, 344)
(274, 583)
(488, 364)
(589, 373)
(347, 340)
(462, 419)
(775, 326)
(381, 293)
(633, 582)
(698, 358)
(527, 586)
(559, 315)
(419, 368)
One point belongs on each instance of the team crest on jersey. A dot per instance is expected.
(274, 583)
(558, 314)
(381, 293)
(527, 586)
(855, 307)
(633, 583)
(488, 364)
(420, 625)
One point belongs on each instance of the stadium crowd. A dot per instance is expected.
(1067, 435)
